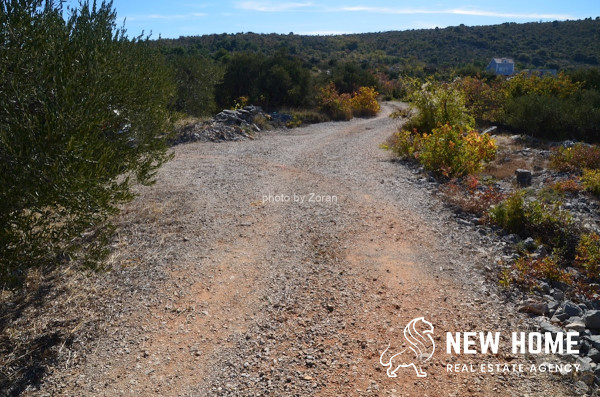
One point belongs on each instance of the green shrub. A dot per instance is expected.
(576, 158)
(447, 151)
(543, 221)
(439, 104)
(404, 143)
(588, 255)
(510, 213)
(196, 79)
(83, 116)
(591, 181)
(553, 226)
(271, 81)
(538, 116)
(551, 107)
(349, 76)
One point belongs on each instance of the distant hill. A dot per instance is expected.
(556, 45)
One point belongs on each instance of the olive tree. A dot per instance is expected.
(83, 116)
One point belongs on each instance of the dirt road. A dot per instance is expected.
(285, 266)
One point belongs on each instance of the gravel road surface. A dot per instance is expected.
(285, 266)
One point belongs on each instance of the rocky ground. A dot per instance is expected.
(230, 125)
(555, 306)
(283, 265)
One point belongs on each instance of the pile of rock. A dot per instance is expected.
(240, 117)
(228, 125)
(557, 316)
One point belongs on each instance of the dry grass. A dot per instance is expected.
(41, 322)
(185, 120)
(505, 167)
(61, 310)
(508, 160)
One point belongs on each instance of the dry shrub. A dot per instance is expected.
(469, 197)
(576, 158)
(566, 186)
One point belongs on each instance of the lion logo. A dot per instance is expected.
(418, 336)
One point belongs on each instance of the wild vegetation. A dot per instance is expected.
(441, 136)
(290, 70)
(83, 116)
(344, 106)
(560, 45)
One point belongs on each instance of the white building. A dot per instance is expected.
(502, 66)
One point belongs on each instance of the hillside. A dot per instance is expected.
(560, 45)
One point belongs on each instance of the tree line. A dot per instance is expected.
(561, 45)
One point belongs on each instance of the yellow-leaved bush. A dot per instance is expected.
(362, 103)
(447, 151)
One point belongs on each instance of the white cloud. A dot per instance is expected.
(166, 17)
(323, 33)
(267, 6)
(509, 15)
(457, 11)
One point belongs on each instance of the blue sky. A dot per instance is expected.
(176, 18)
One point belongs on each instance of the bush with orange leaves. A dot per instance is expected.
(447, 151)
(345, 106)
(335, 105)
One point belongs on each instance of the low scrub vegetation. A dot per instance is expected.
(549, 107)
(471, 196)
(568, 186)
(591, 181)
(344, 106)
(588, 255)
(573, 255)
(576, 159)
(529, 271)
(440, 136)
(438, 104)
(364, 102)
(545, 222)
(304, 117)
(335, 105)
(447, 151)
